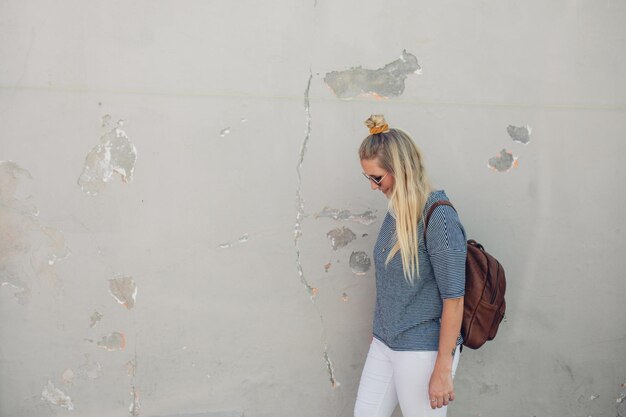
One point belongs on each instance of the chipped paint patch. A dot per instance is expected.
(28, 248)
(106, 120)
(55, 396)
(124, 290)
(92, 370)
(360, 263)
(67, 377)
(327, 266)
(520, 134)
(503, 162)
(340, 237)
(131, 367)
(387, 81)
(46, 256)
(112, 342)
(89, 369)
(224, 131)
(114, 154)
(243, 239)
(331, 370)
(366, 218)
(95, 318)
(135, 406)
(344, 297)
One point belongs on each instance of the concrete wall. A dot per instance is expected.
(178, 261)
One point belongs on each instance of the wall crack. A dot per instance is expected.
(311, 291)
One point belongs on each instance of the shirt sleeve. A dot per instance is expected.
(447, 249)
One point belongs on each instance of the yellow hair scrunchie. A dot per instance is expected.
(380, 129)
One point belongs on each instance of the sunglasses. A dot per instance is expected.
(375, 180)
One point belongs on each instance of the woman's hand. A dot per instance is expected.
(440, 388)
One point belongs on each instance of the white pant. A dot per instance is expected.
(391, 376)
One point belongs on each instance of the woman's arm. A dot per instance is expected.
(440, 387)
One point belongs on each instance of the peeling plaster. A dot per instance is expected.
(28, 248)
(124, 290)
(620, 403)
(243, 239)
(340, 237)
(504, 162)
(112, 342)
(89, 369)
(225, 131)
(331, 370)
(95, 318)
(55, 396)
(366, 218)
(114, 154)
(360, 263)
(135, 406)
(67, 378)
(131, 367)
(387, 81)
(47, 256)
(520, 134)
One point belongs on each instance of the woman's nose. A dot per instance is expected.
(374, 185)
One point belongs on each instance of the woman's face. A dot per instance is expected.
(372, 169)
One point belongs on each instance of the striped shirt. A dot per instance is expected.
(408, 316)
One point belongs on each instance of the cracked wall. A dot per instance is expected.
(184, 227)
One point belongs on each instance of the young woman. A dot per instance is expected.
(419, 285)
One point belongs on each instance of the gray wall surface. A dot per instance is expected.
(180, 198)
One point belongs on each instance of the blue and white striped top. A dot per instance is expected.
(408, 316)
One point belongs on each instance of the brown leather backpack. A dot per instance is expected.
(485, 284)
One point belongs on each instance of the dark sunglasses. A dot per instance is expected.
(375, 180)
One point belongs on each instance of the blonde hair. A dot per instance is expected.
(396, 153)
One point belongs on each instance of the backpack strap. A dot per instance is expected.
(430, 212)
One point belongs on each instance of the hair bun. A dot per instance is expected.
(377, 124)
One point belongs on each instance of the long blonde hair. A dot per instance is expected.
(396, 153)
